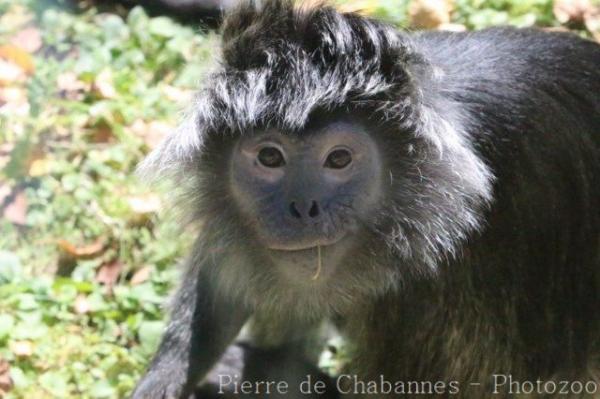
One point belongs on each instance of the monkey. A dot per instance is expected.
(434, 196)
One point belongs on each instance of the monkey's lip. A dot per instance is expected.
(303, 246)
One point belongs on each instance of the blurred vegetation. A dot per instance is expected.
(86, 258)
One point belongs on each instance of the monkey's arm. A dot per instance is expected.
(203, 323)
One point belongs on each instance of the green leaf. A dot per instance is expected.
(137, 18)
(101, 389)
(150, 333)
(18, 376)
(163, 27)
(55, 382)
(28, 302)
(114, 28)
(10, 267)
(7, 322)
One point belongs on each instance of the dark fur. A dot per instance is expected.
(483, 257)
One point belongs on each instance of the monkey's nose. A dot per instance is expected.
(305, 210)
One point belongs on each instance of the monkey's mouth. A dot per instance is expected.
(296, 246)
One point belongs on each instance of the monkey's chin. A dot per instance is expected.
(310, 263)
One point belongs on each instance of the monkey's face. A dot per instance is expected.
(307, 192)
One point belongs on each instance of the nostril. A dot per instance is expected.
(314, 210)
(294, 211)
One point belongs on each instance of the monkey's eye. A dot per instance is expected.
(271, 157)
(338, 159)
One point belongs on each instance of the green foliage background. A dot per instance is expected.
(64, 332)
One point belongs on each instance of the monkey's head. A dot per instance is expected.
(321, 143)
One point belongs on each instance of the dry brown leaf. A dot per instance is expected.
(17, 16)
(13, 100)
(6, 382)
(68, 81)
(39, 167)
(108, 273)
(101, 133)
(29, 39)
(176, 94)
(570, 11)
(364, 7)
(5, 150)
(11, 73)
(70, 86)
(33, 153)
(103, 84)
(82, 252)
(16, 210)
(152, 133)
(429, 14)
(141, 275)
(5, 191)
(592, 21)
(453, 27)
(17, 56)
(139, 127)
(81, 305)
(21, 348)
(144, 204)
(555, 29)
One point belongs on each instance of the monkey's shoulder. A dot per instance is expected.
(511, 50)
(505, 37)
(511, 71)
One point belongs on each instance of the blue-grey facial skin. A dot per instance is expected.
(305, 202)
